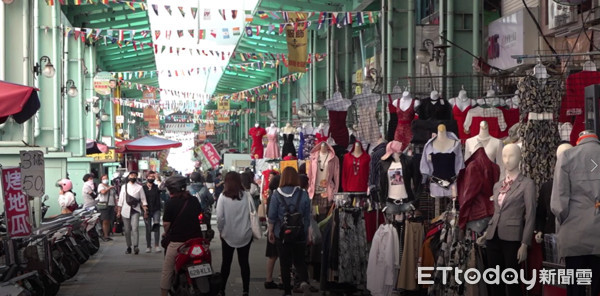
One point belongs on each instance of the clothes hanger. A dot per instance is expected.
(540, 71)
(589, 66)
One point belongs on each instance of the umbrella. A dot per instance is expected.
(17, 100)
(147, 143)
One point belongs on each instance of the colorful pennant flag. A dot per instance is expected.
(168, 9)
(77, 2)
(194, 12)
(249, 31)
(371, 17)
(222, 13)
(281, 28)
(156, 34)
(213, 33)
(263, 15)
(206, 16)
(225, 33)
(180, 33)
(274, 15)
(249, 17)
(236, 31)
(234, 14)
(191, 33)
(359, 18)
(258, 30)
(182, 11)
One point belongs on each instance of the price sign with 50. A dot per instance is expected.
(32, 172)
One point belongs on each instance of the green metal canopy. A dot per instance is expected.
(235, 81)
(111, 57)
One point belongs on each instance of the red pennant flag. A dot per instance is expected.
(155, 49)
(157, 34)
(281, 27)
(134, 46)
(257, 30)
(222, 56)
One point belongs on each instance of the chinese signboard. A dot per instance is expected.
(32, 172)
(16, 203)
(149, 95)
(104, 157)
(211, 154)
(297, 41)
(102, 83)
(223, 114)
(151, 116)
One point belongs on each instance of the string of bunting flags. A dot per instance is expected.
(130, 4)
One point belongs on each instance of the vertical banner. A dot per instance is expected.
(16, 203)
(211, 155)
(297, 42)
(223, 108)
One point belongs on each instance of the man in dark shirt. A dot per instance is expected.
(218, 185)
(153, 221)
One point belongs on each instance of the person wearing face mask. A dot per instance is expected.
(153, 221)
(131, 212)
(106, 205)
(89, 192)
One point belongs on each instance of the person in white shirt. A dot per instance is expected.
(106, 205)
(89, 192)
(66, 198)
(131, 212)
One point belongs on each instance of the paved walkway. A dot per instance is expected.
(112, 272)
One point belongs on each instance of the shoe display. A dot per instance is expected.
(148, 250)
(128, 250)
(157, 249)
(136, 250)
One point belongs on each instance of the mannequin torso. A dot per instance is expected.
(288, 129)
(491, 145)
(405, 101)
(396, 188)
(441, 142)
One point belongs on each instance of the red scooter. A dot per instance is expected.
(193, 274)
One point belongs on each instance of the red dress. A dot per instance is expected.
(460, 117)
(257, 149)
(355, 172)
(403, 132)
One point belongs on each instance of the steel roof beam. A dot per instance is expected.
(128, 64)
(127, 56)
(129, 50)
(76, 10)
(105, 15)
(109, 24)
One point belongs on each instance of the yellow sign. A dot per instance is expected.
(297, 42)
(288, 163)
(223, 105)
(104, 157)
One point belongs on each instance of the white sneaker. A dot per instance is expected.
(148, 250)
(158, 249)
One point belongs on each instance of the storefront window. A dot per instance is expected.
(560, 15)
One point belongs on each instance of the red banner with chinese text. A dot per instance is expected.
(211, 154)
(16, 204)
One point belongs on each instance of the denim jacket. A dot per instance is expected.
(277, 209)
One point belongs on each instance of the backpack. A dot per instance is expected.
(292, 226)
(205, 198)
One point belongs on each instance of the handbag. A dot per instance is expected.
(165, 240)
(131, 201)
(102, 206)
(254, 220)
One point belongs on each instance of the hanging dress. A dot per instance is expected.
(288, 145)
(393, 122)
(460, 117)
(403, 132)
(272, 151)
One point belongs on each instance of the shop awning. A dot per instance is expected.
(146, 144)
(19, 101)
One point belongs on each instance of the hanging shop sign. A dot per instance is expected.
(102, 83)
(223, 114)
(514, 34)
(151, 117)
(211, 154)
(16, 203)
(32, 172)
(109, 156)
(179, 127)
(297, 42)
(119, 119)
(149, 94)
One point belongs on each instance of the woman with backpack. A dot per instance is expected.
(233, 221)
(66, 197)
(289, 219)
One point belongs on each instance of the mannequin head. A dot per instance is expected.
(406, 95)
(511, 157)
(324, 148)
(272, 124)
(435, 95)
(483, 125)
(358, 147)
(257, 124)
(441, 128)
(462, 95)
(490, 94)
(562, 148)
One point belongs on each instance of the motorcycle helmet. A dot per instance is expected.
(65, 184)
(196, 177)
(176, 183)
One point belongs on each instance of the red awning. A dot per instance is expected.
(19, 101)
(146, 144)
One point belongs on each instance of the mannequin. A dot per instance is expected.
(273, 143)
(323, 172)
(544, 217)
(355, 170)
(405, 110)
(257, 133)
(288, 140)
(492, 146)
(510, 231)
(442, 160)
(434, 108)
(322, 133)
(460, 107)
(575, 202)
(395, 180)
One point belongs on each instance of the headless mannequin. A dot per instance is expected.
(491, 145)
(272, 129)
(358, 151)
(434, 96)
(288, 129)
(404, 102)
(539, 237)
(323, 163)
(442, 142)
(462, 101)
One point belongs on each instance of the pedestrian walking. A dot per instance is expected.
(251, 187)
(106, 205)
(154, 204)
(233, 222)
(186, 228)
(289, 218)
(132, 203)
(271, 250)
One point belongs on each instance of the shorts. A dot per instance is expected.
(271, 250)
(108, 213)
